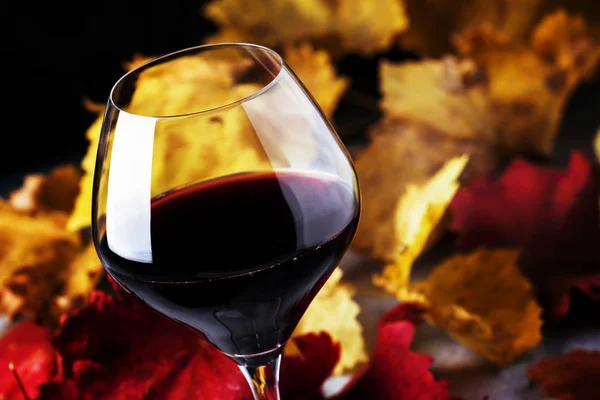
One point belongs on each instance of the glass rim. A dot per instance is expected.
(160, 59)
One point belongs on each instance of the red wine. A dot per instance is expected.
(239, 259)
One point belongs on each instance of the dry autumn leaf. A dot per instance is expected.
(416, 137)
(346, 25)
(504, 325)
(447, 94)
(55, 192)
(417, 215)
(433, 22)
(316, 71)
(335, 298)
(571, 376)
(530, 84)
(45, 268)
(506, 97)
(80, 278)
(34, 250)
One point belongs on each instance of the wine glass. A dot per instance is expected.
(223, 198)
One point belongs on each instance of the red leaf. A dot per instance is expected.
(302, 376)
(28, 346)
(551, 215)
(409, 312)
(506, 211)
(123, 350)
(571, 376)
(394, 371)
(59, 389)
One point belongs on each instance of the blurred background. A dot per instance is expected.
(64, 52)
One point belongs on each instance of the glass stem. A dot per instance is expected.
(263, 380)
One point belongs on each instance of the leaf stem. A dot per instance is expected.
(11, 367)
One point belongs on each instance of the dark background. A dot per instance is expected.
(62, 52)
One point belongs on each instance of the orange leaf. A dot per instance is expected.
(349, 25)
(530, 84)
(483, 301)
(434, 21)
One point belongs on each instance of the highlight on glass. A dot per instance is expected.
(229, 213)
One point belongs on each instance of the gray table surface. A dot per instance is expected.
(470, 375)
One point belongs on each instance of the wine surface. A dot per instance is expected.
(239, 259)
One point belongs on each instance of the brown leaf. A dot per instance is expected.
(55, 192)
(571, 376)
(80, 277)
(34, 249)
(433, 22)
(483, 301)
(45, 268)
(344, 25)
(434, 110)
(529, 84)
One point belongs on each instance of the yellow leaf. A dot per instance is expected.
(80, 217)
(433, 22)
(206, 145)
(34, 251)
(417, 215)
(346, 25)
(80, 278)
(369, 26)
(447, 94)
(45, 268)
(291, 349)
(434, 110)
(483, 301)
(333, 310)
(315, 70)
(529, 84)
